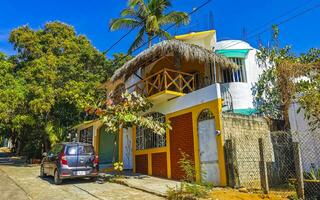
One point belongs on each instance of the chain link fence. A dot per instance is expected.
(281, 163)
(310, 162)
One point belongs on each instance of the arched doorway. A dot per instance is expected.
(108, 148)
(208, 148)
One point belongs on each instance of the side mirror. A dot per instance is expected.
(44, 154)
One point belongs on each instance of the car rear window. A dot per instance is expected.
(79, 150)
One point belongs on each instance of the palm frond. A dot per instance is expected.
(175, 17)
(142, 7)
(128, 12)
(157, 7)
(138, 41)
(124, 23)
(164, 34)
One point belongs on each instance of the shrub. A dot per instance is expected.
(187, 166)
(187, 191)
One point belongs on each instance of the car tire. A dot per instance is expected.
(42, 174)
(56, 178)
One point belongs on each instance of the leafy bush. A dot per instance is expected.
(187, 191)
(118, 167)
(187, 166)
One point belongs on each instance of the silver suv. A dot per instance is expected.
(70, 160)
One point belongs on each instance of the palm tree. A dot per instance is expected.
(150, 17)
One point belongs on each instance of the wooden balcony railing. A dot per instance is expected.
(166, 79)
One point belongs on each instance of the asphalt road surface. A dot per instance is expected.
(21, 182)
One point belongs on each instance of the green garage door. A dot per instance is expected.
(106, 146)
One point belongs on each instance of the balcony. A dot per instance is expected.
(165, 85)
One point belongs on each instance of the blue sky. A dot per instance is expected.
(91, 18)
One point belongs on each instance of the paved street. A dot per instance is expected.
(20, 182)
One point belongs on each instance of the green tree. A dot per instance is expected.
(12, 102)
(150, 17)
(123, 111)
(61, 73)
(277, 87)
(308, 88)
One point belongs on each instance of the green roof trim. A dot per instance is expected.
(249, 111)
(233, 53)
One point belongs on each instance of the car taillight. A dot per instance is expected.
(63, 159)
(96, 159)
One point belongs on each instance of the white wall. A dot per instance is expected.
(241, 91)
(197, 97)
(309, 141)
(241, 94)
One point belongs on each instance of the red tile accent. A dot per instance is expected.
(181, 139)
(159, 164)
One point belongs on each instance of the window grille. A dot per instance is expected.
(86, 135)
(205, 115)
(238, 75)
(146, 138)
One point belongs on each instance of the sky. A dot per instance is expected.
(232, 19)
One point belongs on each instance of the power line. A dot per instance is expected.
(188, 14)
(204, 4)
(279, 23)
(119, 40)
(282, 15)
(126, 34)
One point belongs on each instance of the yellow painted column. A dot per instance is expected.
(120, 144)
(196, 145)
(220, 142)
(134, 133)
(168, 150)
(149, 164)
(97, 140)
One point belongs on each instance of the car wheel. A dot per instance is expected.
(57, 179)
(42, 174)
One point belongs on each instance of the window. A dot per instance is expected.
(79, 150)
(239, 75)
(205, 115)
(86, 135)
(147, 139)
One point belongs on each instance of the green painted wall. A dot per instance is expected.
(106, 146)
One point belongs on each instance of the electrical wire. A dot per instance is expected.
(278, 24)
(188, 14)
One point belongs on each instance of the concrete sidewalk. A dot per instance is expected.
(150, 184)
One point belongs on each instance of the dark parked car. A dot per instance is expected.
(70, 160)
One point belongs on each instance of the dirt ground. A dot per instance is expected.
(231, 194)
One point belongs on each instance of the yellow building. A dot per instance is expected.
(181, 78)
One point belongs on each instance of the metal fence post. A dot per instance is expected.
(298, 169)
(263, 168)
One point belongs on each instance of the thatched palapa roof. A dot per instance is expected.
(186, 51)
